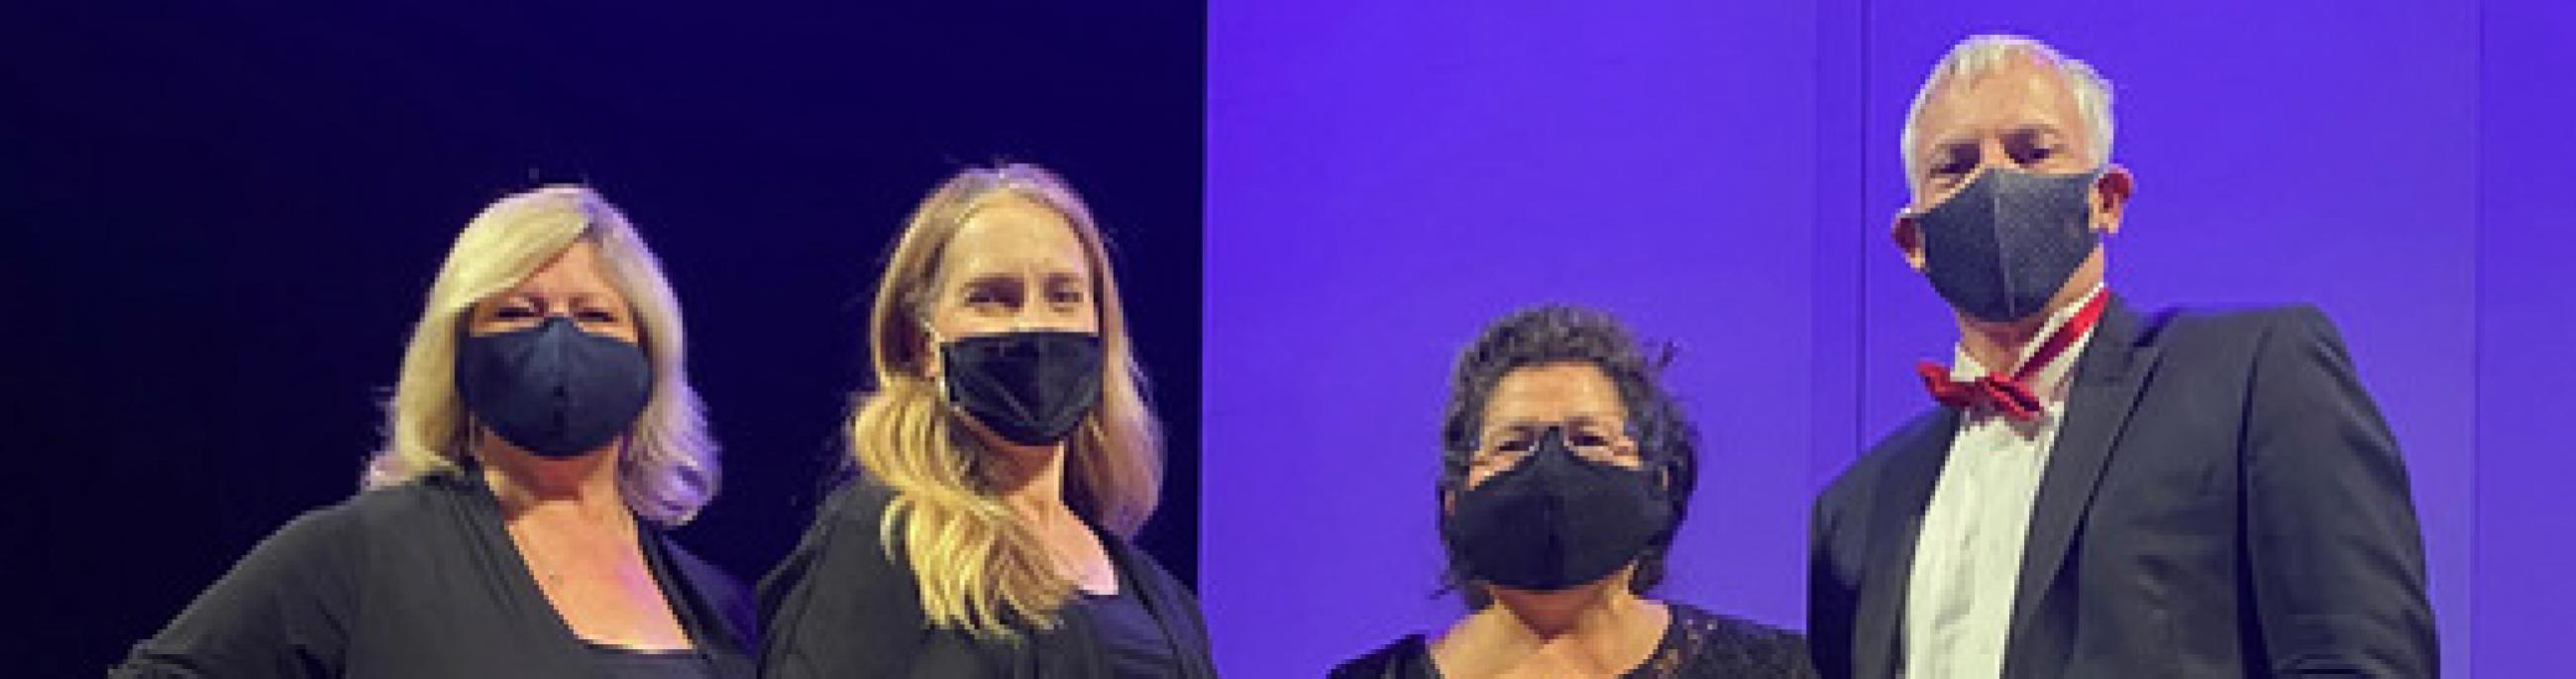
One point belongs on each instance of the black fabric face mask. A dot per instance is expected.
(2001, 247)
(1031, 387)
(1556, 520)
(553, 389)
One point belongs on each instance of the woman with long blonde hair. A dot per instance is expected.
(1005, 457)
(541, 437)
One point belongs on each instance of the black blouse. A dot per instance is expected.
(629, 663)
(1138, 647)
(841, 605)
(1696, 643)
(420, 580)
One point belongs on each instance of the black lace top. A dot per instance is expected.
(1696, 644)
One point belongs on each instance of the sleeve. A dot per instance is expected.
(1831, 590)
(839, 606)
(283, 611)
(2336, 561)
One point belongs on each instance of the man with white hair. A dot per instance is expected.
(2100, 493)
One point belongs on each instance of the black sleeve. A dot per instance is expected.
(720, 606)
(1831, 586)
(2335, 558)
(282, 611)
(840, 605)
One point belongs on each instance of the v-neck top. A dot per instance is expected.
(1136, 645)
(845, 603)
(422, 580)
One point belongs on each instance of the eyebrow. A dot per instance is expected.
(988, 280)
(1579, 419)
(2036, 128)
(1014, 278)
(607, 299)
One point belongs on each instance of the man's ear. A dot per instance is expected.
(1909, 240)
(2110, 199)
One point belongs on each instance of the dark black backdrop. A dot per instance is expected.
(221, 219)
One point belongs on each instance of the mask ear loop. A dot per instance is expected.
(472, 441)
(1663, 466)
(1650, 459)
(934, 355)
(933, 361)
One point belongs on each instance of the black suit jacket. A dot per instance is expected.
(2222, 500)
(842, 605)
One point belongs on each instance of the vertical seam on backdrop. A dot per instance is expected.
(1860, 268)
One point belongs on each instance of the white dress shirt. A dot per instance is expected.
(1967, 559)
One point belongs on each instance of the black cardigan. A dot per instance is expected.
(841, 605)
(416, 580)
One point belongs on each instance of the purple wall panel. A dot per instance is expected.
(1387, 177)
(2526, 548)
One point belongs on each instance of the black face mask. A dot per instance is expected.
(1032, 388)
(552, 389)
(2000, 248)
(1556, 520)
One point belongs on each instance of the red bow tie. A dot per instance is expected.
(2011, 396)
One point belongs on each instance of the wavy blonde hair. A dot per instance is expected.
(978, 568)
(667, 468)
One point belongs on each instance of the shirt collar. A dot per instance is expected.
(2049, 384)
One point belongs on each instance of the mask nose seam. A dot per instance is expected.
(2003, 259)
(556, 344)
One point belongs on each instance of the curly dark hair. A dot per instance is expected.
(1554, 334)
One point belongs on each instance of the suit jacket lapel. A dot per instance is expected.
(1904, 489)
(2108, 379)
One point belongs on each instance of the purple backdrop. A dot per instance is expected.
(1383, 178)
(2527, 324)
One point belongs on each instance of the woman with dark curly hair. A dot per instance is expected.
(1566, 470)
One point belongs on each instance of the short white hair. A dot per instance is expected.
(1982, 54)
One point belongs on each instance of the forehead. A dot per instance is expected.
(578, 269)
(2020, 91)
(1554, 392)
(1013, 233)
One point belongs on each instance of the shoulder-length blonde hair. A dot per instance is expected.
(667, 468)
(978, 568)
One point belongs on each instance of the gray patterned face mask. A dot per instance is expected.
(2000, 248)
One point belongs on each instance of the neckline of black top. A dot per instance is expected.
(613, 649)
(1664, 643)
(522, 576)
